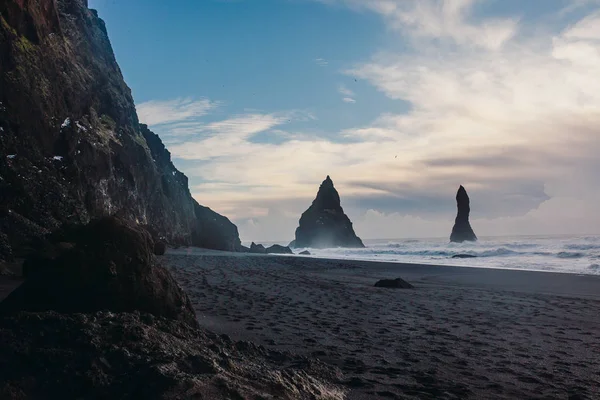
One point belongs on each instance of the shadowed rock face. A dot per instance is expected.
(139, 356)
(324, 224)
(71, 146)
(462, 230)
(107, 265)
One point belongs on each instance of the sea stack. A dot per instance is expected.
(462, 230)
(324, 224)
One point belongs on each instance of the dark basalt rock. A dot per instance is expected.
(462, 230)
(393, 284)
(305, 253)
(160, 245)
(77, 151)
(257, 248)
(214, 231)
(160, 248)
(324, 224)
(464, 256)
(279, 249)
(139, 356)
(5, 249)
(110, 265)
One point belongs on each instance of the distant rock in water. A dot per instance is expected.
(397, 283)
(305, 253)
(462, 230)
(257, 248)
(324, 224)
(279, 249)
(464, 256)
(107, 265)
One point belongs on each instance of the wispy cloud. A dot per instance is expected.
(157, 112)
(348, 95)
(227, 138)
(321, 62)
(345, 91)
(445, 20)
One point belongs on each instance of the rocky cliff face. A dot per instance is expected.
(71, 146)
(462, 230)
(324, 224)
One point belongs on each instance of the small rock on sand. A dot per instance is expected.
(397, 283)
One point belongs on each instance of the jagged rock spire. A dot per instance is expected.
(462, 230)
(324, 224)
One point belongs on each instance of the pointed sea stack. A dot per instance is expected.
(324, 224)
(462, 230)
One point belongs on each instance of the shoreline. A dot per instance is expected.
(588, 283)
(434, 264)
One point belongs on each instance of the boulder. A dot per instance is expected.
(110, 265)
(279, 249)
(107, 355)
(397, 283)
(305, 253)
(324, 224)
(160, 248)
(257, 248)
(160, 244)
(462, 230)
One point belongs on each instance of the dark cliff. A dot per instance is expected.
(71, 145)
(462, 230)
(324, 224)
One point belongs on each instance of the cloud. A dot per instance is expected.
(225, 138)
(345, 91)
(321, 62)
(348, 95)
(158, 112)
(511, 113)
(446, 20)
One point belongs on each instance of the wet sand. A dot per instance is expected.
(461, 333)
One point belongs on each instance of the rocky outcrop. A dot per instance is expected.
(305, 253)
(107, 265)
(462, 230)
(279, 249)
(140, 356)
(71, 146)
(397, 283)
(257, 248)
(324, 224)
(214, 231)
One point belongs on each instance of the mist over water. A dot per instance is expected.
(568, 254)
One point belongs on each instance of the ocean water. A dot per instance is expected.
(568, 254)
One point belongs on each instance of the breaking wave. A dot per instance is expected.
(558, 254)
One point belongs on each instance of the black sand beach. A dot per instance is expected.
(461, 333)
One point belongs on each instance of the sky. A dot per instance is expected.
(399, 101)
